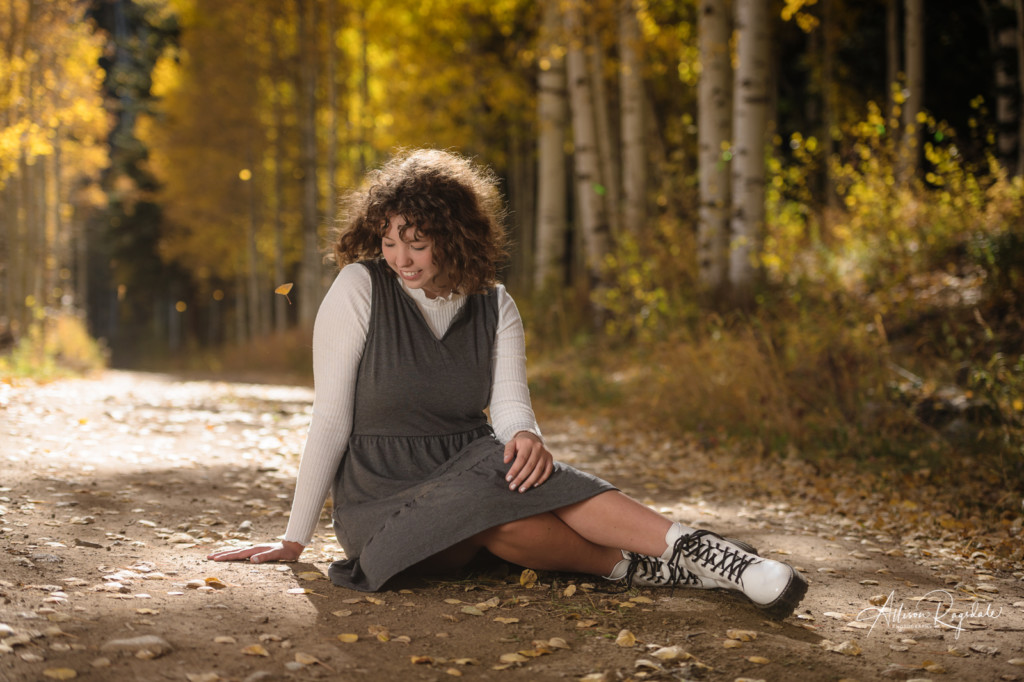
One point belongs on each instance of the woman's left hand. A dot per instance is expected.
(532, 463)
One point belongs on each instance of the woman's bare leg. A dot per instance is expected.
(586, 537)
(616, 520)
(542, 542)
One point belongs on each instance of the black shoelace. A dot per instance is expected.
(703, 547)
(653, 567)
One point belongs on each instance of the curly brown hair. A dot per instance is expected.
(444, 197)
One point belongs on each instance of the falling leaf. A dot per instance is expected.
(60, 673)
(625, 639)
(255, 650)
(284, 290)
(348, 638)
(528, 578)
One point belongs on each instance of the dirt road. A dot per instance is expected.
(113, 490)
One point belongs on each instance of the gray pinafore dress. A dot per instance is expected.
(423, 469)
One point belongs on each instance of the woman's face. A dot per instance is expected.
(412, 259)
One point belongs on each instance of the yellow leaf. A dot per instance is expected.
(454, 672)
(421, 660)
(732, 643)
(513, 658)
(60, 673)
(758, 659)
(506, 621)
(284, 290)
(224, 639)
(741, 635)
(215, 583)
(586, 623)
(528, 578)
(569, 591)
(626, 639)
(348, 638)
(311, 575)
(305, 659)
(255, 650)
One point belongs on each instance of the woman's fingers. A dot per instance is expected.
(532, 466)
(257, 554)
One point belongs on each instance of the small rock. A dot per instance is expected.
(157, 646)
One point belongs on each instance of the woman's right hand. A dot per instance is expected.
(257, 554)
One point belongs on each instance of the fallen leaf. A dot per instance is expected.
(471, 611)
(311, 575)
(506, 621)
(60, 673)
(625, 639)
(513, 658)
(741, 635)
(255, 650)
(528, 578)
(586, 623)
(569, 591)
(732, 644)
(761, 660)
(224, 639)
(202, 677)
(421, 660)
(348, 638)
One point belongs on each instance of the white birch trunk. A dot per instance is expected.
(750, 103)
(592, 220)
(631, 96)
(714, 132)
(552, 118)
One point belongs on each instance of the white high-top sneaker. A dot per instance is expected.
(650, 571)
(718, 562)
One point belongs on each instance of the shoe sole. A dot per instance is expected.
(784, 605)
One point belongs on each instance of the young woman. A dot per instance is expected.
(414, 340)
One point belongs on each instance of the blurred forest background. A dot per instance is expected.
(793, 225)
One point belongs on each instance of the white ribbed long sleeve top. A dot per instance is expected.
(339, 335)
